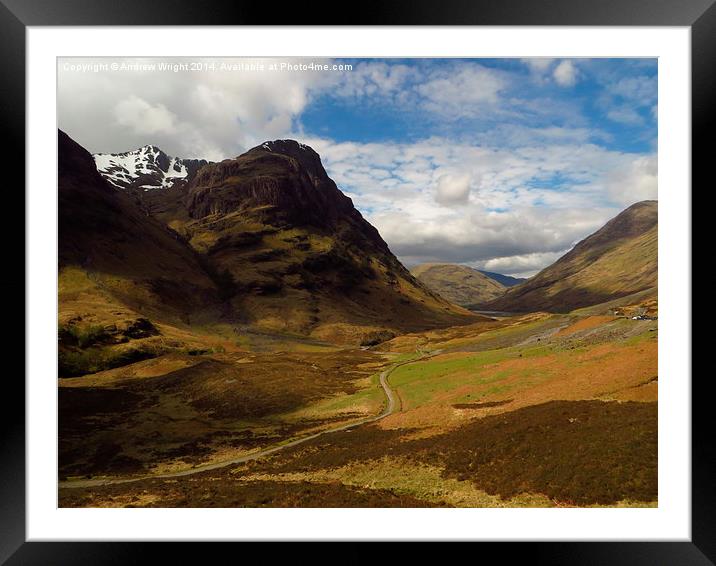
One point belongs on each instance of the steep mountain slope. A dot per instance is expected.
(102, 231)
(506, 280)
(126, 281)
(146, 168)
(459, 284)
(617, 260)
(264, 242)
(298, 254)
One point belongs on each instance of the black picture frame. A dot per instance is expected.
(16, 15)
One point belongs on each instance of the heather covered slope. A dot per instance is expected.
(525, 411)
(616, 261)
(458, 284)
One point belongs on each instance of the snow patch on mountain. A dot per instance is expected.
(146, 168)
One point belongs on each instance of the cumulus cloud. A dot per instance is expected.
(213, 115)
(483, 237)
(565, 74)
(143, 118)
(539, 69)
(625, 115)
(452, 189)
(641, 89)
(372, 78)
(629, 99)
(451, 90)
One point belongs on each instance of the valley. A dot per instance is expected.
(584, 381)
(244, 337)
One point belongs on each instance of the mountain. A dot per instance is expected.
(146, 168)
(265, 242)
(298, 253)
(102, 230)
(126, 281)
(459, 284)
(506, 280)
(617, 260)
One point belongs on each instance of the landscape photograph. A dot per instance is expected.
(378, 282)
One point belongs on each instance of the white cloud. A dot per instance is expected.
(525, 265)
(634, 181)
(625, 115)
(459, 91)
(625, 98)
(481, 237)
(540, 69)
(533, 201)
(371, 78)
(144, 118)
(452, 189)
(565, 74)
(538, 64)
(213, 115)
(641, 89)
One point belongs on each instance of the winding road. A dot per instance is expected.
(392, 401)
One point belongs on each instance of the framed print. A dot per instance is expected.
(427, 278)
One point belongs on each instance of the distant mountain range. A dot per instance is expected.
(460, 284)
(506, 280)
(618, 260)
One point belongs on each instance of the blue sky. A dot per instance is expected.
(501, 164)
(613, 98)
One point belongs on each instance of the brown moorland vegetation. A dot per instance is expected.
(518, 441)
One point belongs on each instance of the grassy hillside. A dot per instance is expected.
(458, 284)
(616, 261)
